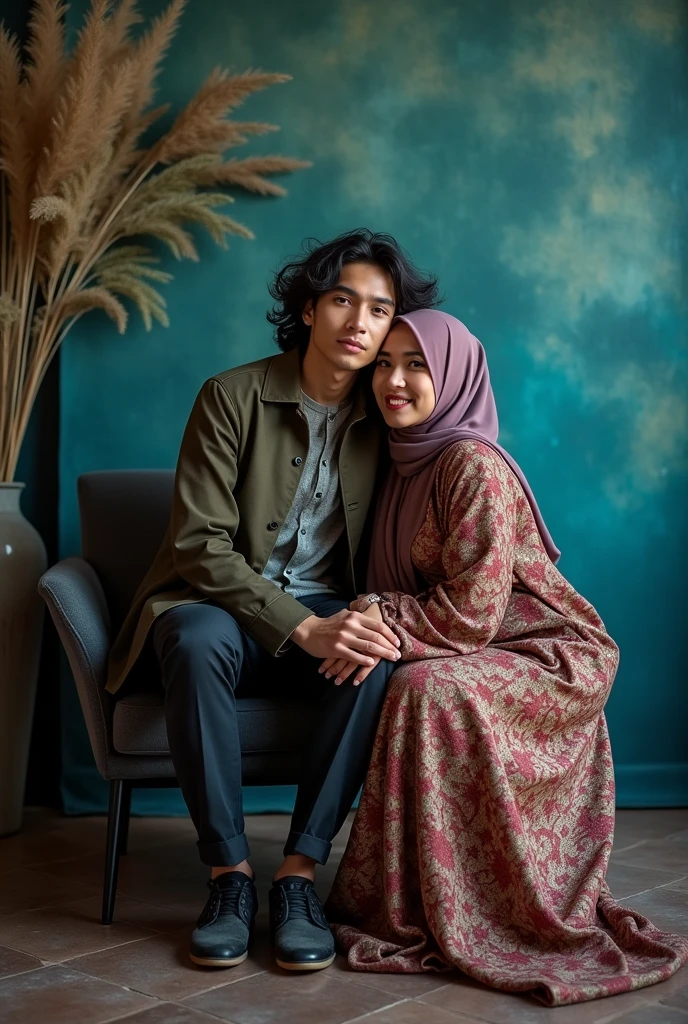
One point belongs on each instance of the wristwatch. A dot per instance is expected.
(374, 599)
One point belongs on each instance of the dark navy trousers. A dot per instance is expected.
(206, 660)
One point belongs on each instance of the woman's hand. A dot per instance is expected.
(340, 667)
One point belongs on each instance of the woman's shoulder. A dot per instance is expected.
(470, 463)
(469, 453)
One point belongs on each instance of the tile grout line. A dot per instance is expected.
(94, 952)
(641, 892)
(624, 849)
(371, 1013)
(47, 906)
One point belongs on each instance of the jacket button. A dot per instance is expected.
(273, 525)
(297, 461)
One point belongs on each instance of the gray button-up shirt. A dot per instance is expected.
(302, 558)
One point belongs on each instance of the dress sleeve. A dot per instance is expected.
(476, 505)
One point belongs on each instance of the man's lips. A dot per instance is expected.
(397, 401)
(351, 344)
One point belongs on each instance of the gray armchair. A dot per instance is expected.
(124, 514)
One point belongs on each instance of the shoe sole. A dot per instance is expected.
(205, 961)
(308, 965)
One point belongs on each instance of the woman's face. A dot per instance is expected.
(402, 383)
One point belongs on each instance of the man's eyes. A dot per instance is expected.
(376, 309)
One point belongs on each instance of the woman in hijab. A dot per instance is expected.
(486, 821)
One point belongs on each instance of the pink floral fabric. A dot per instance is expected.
(486, 821)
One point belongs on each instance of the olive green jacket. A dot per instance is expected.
(239, 466)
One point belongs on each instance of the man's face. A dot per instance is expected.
(350, 322)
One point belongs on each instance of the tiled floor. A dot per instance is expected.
(59, 965)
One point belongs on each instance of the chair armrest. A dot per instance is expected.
(74, 596)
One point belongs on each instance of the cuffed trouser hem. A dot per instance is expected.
(224, 855)
(309, 846)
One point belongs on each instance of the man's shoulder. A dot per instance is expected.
(246, 376)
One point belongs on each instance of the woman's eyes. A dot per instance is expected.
(415, 364)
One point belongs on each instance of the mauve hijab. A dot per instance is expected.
(464, 409)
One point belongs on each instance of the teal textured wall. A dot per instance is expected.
(533, 153)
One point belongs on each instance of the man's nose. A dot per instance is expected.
(356, 322)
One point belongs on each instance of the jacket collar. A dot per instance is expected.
(283, 383)
(283, 378)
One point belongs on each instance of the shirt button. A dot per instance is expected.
(288, 572)
(324, 462)
(318, 494)
(297, 461)
(330, 418)
(303, 533)
(273, 525)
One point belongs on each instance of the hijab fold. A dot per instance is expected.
(465, 409)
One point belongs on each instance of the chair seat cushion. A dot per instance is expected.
(266, 725)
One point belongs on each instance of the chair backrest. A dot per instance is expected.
(124, 515)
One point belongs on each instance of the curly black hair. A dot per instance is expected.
(318, 271)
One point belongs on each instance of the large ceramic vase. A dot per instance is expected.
(22, 562)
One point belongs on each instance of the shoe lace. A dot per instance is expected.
(298, 904)
(228, 898)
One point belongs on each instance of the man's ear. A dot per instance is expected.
(307, 313)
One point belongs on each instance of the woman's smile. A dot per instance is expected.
(396, 402)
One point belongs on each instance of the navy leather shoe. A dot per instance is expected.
(300, 932)
(222, 932)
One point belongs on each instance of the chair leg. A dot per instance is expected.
(125, 814)
(112, 850)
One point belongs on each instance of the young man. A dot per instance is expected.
(273, 485)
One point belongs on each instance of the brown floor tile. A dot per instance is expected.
(59, 995)
(655, 1013)
(410, 1012)
(170, 877)
(170, 1013)
(625, 879)
(31, 888)
(88, 868)
(486, 1004)
(145, 832)
(150, 916)
(284, 998)
(160, 966)
(666, 908)
(664, 992)
(679, 998)
(12, 961)
(273, 827)
(634, 826)
(681, 884)
(68, 930)
(403, 986)
(37, 846)
(659, 854)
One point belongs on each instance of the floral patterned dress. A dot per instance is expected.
(486, 821)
